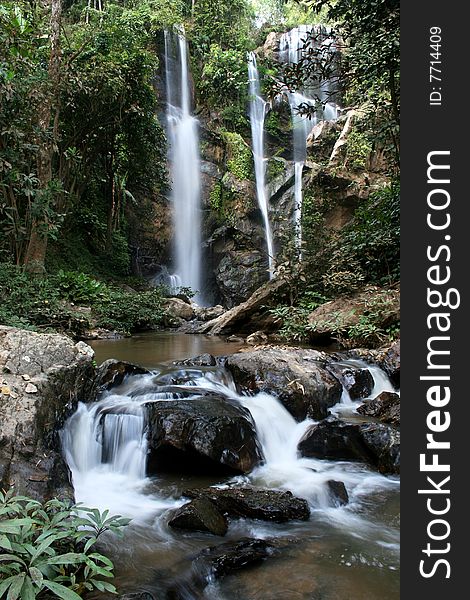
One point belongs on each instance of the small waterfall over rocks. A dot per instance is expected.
(184, 163)
(316, 95)
(257, 117)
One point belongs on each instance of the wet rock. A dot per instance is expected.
(45, 376)
(359, 383)
(338, 492)
(235, 339)
(374, 443)
(389, 360)
(226, 558)
(257, 338)
(297, 377)
(137, 596)
(386, 408)
(199, 515)
(335, 440)
(383, 442)
(203, 360)
(255, 503)
(205, 435)
(239, 274)
(179, 309)
(112, 373)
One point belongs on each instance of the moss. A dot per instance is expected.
(239, 157)
(358, 150)
(215, 197)
(275, 168)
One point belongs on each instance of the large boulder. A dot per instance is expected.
(239, 274)
(347, 311)
(297, 377)
(374, 443)
(255, 503)
(208, 434)
(43, 376)
(386, 408)
(389, 360)
(179, 309)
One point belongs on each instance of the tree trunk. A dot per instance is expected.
(36, 252)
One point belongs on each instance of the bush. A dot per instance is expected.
(128, 312)
(49, 549)
(239, 156)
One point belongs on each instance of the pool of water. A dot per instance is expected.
(152, 349)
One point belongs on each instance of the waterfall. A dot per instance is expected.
(290, 52)
(184, 163)
(257, 116)
(105, 444)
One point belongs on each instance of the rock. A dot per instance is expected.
(199, 515)
(112, 373)
(335, 440)
(208, 313)
(297, 377)
(179, 309)
(98, 333)
(257, 338)
(137, 596)
(374, 443)
(239, 274)
(205, 435)
(235, 339)
(255, 503)
(46, 374)
(383, 442)
(226, 558)
(203, 360)
(386, 408)
(346, 311)
(389, 360)
(359, 383)
(338, 492)
(242, 314)
(272, 44)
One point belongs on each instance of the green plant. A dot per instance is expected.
(239, 156)
(49, 548)
(79, 287)
(358, 150)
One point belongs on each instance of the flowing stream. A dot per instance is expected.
(184, 162)
(257, 116)
(350, 550)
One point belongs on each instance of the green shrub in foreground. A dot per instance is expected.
(48, 549)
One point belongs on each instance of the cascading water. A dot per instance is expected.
(257, 116)
(292, 45)
(184, 162)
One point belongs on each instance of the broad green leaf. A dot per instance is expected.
(61, 591)
(72, 558)
(4, 585)
(36, 576)
(11, 558)
(15, 586)
(27, 591)
(14, 525)
(5, 542)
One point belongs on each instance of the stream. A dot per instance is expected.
(349, 552)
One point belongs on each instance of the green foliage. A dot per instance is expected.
(42, 303)
(373, 237)
(239, 156)
(49, 549)
(224, 77)
(128, 312)
(215, 197)
(358, 150)
(79, 287)
(294, 319)
(275, 168)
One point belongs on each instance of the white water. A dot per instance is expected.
(291, 46)
(184, 163)
(105, 446)
(257, 116)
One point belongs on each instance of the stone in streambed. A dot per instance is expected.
(255, 503)
(338, 492)
(208, 435)
(386, 408)
(199, 515)
(296, 376)
(359, 383)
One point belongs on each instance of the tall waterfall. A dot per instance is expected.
(257, 116)
(291, 46)
(184, 161)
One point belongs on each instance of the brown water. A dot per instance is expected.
(353, 556)
(151, 349)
